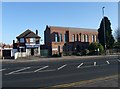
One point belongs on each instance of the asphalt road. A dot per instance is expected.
(52, 73)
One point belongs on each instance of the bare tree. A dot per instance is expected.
(117, 34)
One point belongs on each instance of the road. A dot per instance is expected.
(52, 73)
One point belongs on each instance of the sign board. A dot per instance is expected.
(55, 49)
(32, 46)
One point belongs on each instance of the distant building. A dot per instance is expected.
(28, 43)
(6, 51)
(68, 39)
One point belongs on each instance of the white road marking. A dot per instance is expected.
(2, 70)
(40, 68)
(62, 67)
(79, 65)
(87, 66)
(28, 72)
(19, 70)
(118, 60)
(94, 63)
(47, 70)
(108, 62)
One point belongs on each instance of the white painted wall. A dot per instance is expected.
(20, 54)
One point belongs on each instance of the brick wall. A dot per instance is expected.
(56, 47)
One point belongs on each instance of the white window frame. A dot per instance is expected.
(32, 40)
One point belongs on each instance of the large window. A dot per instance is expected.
(65, 37)
(86, 38)
(95, 37)
(92, 38)
(60, 36)
(83, 38)
(73, 38)
(22, 40)
(56, 38)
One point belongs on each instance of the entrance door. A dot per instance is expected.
(32, 51)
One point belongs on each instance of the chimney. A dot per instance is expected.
(13, 41)
(36, 32)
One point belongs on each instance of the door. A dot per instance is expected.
(32, 51)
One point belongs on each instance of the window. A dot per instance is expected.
(60, 36)
(86, 38)
(22, 40)
(92, 38)
(73, 38)
(83, 38)
(32, 40)
(95, 37)
(65, 37)
(56, 38)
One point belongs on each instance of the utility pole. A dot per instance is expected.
(104, 29)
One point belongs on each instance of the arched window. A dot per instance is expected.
(65, 37)
(56, 38)
(73, 38)
(60, 36)
(83, 38)
(86, 38)
(93, 40)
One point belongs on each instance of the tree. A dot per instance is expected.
(117, 35)
(108, 33)
(94, 47)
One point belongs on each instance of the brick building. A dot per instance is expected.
(68, 39)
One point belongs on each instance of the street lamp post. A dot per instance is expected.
(104, 29)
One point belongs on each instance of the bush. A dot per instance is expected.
(93, 47)
(101, 49)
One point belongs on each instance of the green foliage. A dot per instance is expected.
(93, 48)
(117, 45)
(101, 49)
(108, 32)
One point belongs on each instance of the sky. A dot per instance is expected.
(20, 16)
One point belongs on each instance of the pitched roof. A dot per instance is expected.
(28, 33)
(73, 28)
